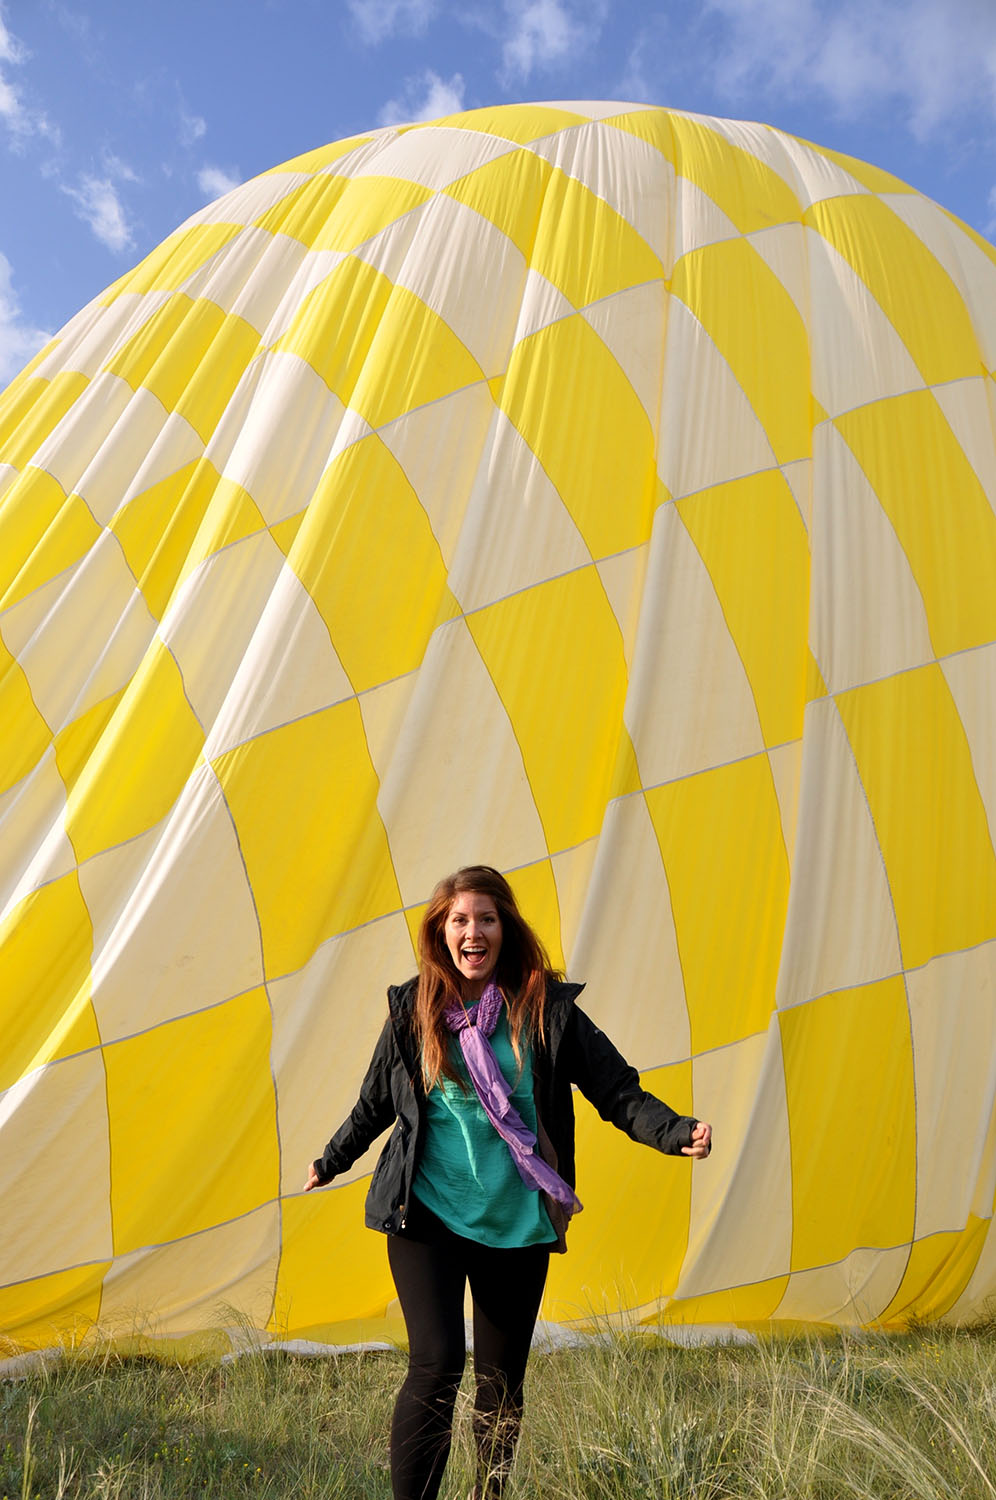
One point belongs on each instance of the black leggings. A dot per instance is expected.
(506, 1287)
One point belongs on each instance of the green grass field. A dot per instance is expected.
(910, 1416)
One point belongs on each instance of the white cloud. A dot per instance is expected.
(98, 205)
(192, 127)
(541, 34)
(377, 20)
(19, 340)
(426, 96)
(214, 182)
(933, 61)
(21, 120)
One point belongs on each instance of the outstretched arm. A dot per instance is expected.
(372, 1113)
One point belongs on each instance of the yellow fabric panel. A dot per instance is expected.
(585, 248)
(39, 408)
(319, 1231)
(435, 363)
(284, 533)
(572, 695)
(304, 802)
(627, 1246)
(303, 212)
(940, 512)
(322, 156)
(916, 293)
(174, 261)
(755, 325)
(720, 837)
(70, 534)
(939, 1269)
(190, 354)
(581, 417)
(515, 122)
(654, 126)
(45, 1010)
(910, 746)
(29, 510)
(381, 590)
(203, 1085)
(231, 516)
(75, 743)
(747, 189)
(815, 686)
(140, 763)
(536, 893)
(24, 734)
(57, 1309)
(870, 176)
(509, 192)
(754, 1303)
(851, 1048)
(365, 207)
(751, 538)
(157, 529)
(351, 299)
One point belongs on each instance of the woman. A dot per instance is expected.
(473, 1069)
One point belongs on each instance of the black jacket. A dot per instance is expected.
(575, 1051)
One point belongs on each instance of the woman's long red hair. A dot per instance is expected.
(521, 974)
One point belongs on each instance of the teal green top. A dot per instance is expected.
(467, 1176)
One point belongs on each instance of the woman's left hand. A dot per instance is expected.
(701, 1141)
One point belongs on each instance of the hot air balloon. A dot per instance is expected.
(599, 491)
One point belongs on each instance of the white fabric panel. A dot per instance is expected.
(311, 272)
(840, 928)
(786, 773)
(970, 268)
(249, 201)
(740, 1230)
(32, 834)
(971, 676)
(249, 275)
(970, 409)
(96, 605)
(481, 312)
(627, 173)
(634, 990)
(571, 873)
(277, 433)
(213, 617)
(289, 668)
(326, 1021)
(689, 704)
(446, 801)
(174, 925)
(194, 1283)
(867, 618)
(953, 1015)
(857, 355)
(53, 1121)
(701, 399)
(799, 478)
(623, 579)
(541, 304)
(89, 340)
(82, 432)
(433, 155)
(812, 176)
(783, 248)
(698, 220)
(851, 1292)
(632, 325)
(148, 447)
(439, 447)
(500, 551)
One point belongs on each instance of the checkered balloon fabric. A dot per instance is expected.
(597, 491)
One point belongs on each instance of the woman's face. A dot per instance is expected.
(473, 937)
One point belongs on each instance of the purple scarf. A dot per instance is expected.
(474, 1025)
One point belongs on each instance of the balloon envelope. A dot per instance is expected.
(593, 490)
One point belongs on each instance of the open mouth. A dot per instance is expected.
(474, 956)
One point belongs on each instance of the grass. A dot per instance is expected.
(903, 1417)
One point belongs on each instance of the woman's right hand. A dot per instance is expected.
(313, 1179)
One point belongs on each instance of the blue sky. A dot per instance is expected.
(118, 118)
